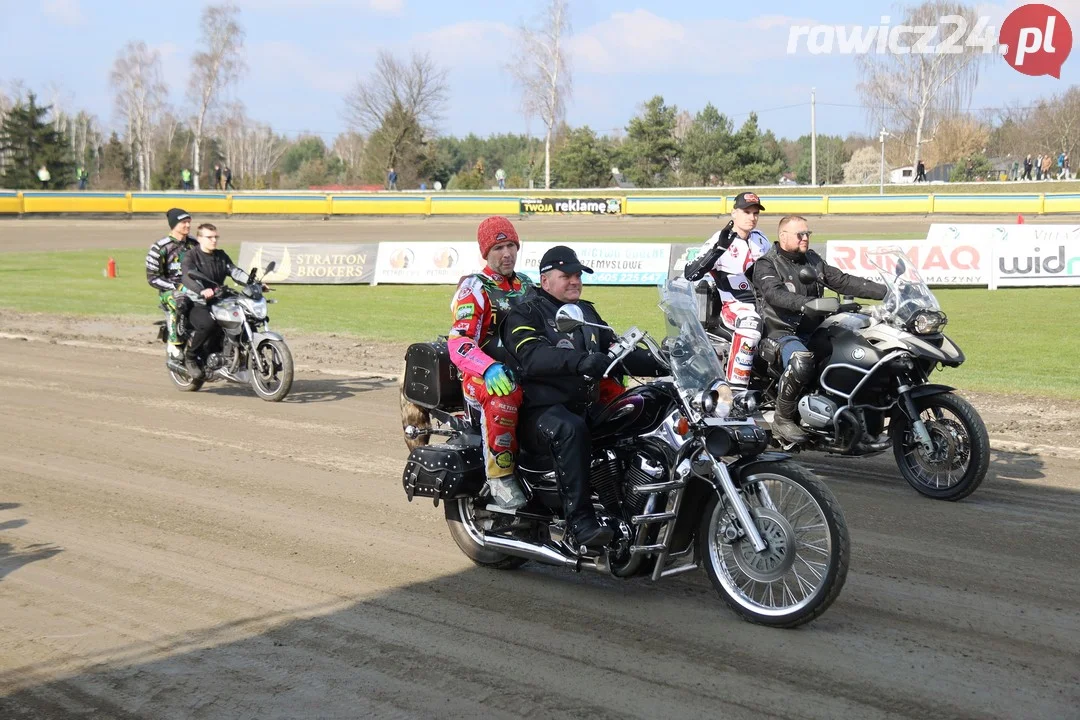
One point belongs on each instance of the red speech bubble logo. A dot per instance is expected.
(1037, 39)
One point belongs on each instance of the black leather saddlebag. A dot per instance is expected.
(444, 472)
(431, 380)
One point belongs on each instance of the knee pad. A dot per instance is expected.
(749, 326)
(183, 304)
(801, 366)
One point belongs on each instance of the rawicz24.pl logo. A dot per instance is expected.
(1034, 39)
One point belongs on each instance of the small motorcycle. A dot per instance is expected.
(245, 351)
(682, 485)
(872, 390)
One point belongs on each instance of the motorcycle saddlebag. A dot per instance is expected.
(444, 472)
(431, 380)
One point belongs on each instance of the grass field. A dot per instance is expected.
(1016, 340)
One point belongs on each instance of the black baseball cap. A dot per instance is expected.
(747, 199)
(175, 215)
(562, 258)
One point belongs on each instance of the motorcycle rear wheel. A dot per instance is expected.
(467, 534)
(801, 572)
(184, 383)
(961, 447)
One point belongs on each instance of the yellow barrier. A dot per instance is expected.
(280, 204)
(209, 203)
(76, 202)
(878, 204)
(791, 204)
(988, 204)
(464, 205)
(10, 203)
(1061, 204)
(380, 205)
(663, 205)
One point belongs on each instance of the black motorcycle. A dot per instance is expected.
(681, 484)
(872, 388)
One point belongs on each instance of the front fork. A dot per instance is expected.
(742, 512)
(254, 352)
(917, 424)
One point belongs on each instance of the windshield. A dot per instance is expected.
(907, 293)
(694, 363)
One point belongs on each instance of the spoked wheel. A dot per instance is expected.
(805, 562)
(467, 526)
(274, 380)
(961, 454)
(184, 382)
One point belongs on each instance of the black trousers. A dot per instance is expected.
(203, 327)
(558, 432)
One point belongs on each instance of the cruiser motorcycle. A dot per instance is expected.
(682, 485)
(245, 351)
(872, 390)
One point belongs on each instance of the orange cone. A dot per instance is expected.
(110, 269)
(1019, 219)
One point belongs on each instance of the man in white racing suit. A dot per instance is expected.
(728, 257)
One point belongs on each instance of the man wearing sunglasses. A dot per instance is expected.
(783, 295)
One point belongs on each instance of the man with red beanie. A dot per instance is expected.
(481, 302)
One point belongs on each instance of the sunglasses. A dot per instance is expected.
(804, 235)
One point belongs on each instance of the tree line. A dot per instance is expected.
(394, 117)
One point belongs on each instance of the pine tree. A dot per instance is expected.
(651, 145)
(27, 142)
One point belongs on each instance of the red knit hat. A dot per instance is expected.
(495, 230)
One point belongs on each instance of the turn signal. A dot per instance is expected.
(682, 427)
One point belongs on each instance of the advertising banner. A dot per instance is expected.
(612, 263)
(1023, 255)
(427, 263)
(940, 262)
(311, 263)
(572, 205)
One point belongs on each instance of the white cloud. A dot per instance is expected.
(388, 7)
(640, 41)
(64, 12)
(287, 63)
(467, 44)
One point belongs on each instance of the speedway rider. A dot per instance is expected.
(481, 302)
(551, 367)
(163, 274)
(728, 257)
(783, 296)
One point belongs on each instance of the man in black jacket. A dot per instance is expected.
(782, 295)
(551, 367)
(216, 265)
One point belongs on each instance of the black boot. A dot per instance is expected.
(193, 368)
(787, 398)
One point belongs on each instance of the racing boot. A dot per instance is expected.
(580, 517)
(787, 396)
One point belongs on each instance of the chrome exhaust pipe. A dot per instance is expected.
(540, 553)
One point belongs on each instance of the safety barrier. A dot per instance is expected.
(586, 203)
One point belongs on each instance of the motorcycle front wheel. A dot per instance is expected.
(275, 380)
(961, 454)
(805, 563)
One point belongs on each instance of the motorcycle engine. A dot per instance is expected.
(817, 411)
(214, 361)
(604, 478)
(646, 467)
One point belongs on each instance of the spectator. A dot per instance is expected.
(1027, 167)
(228, 179)
(217, 178)
(185, 179)
(500, 175)
(1038, 167)
(1016, 170)
(1047, 161)
(82, 177)
(1065, 167)
(391, 180)
(920, 172)
(44, 176)
(1061, 166)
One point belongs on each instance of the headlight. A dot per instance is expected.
(716, 401)
(257, 308)
(927, 322)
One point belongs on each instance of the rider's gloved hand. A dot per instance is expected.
(594, 364)
(498, 380)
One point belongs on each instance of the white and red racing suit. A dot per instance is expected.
(738, 311)
(481, 301)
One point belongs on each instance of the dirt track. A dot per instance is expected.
(215, 556)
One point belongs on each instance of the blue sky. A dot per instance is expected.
(305, 55)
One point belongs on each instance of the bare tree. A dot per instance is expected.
(252, 150)
(213, 69)
(136, 77)
(1055, 123)
(541, 69)
(399, 106)
(956, 138)
(349, 148)
(908, 92)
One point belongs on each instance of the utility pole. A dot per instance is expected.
(813, 141)
(881, 139)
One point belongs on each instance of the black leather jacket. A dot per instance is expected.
(782, 294)
(546, 360)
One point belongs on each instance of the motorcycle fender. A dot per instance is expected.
(739, 468)
(929, 389)
(259, 337)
